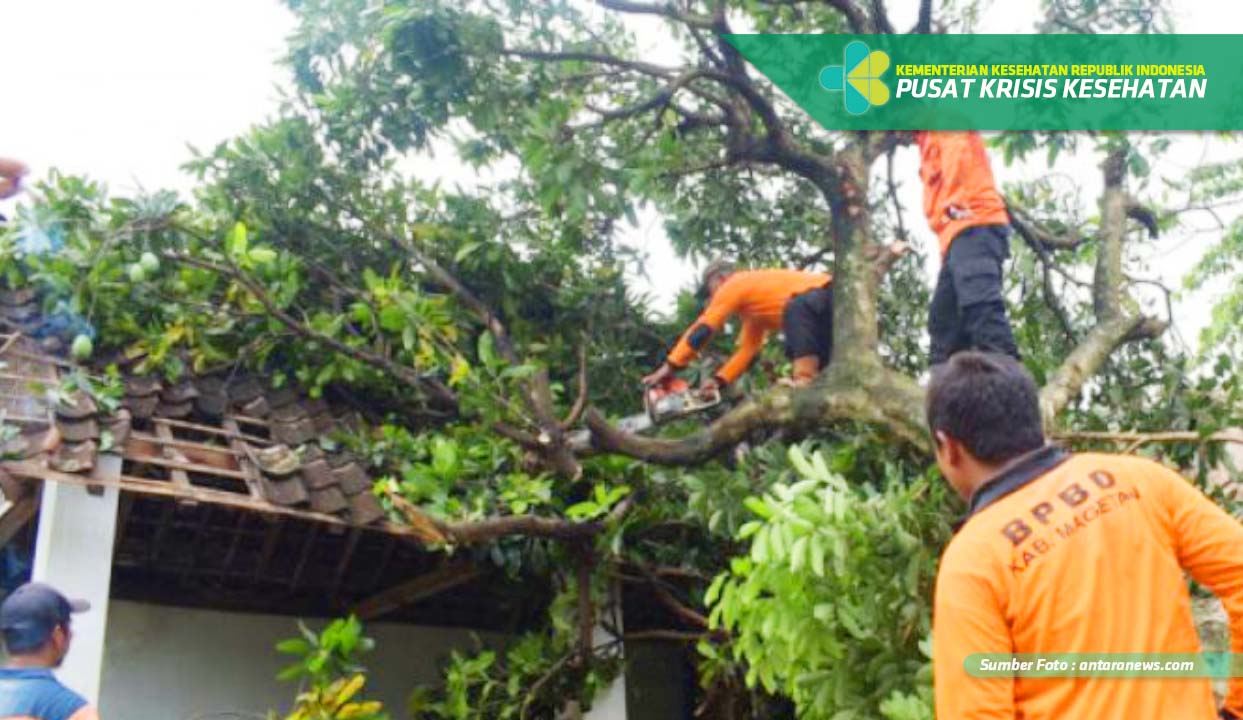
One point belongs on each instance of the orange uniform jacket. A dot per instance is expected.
(1084, 554)
(959, 191)
(757, 296)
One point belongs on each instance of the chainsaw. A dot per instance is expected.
(666, 401)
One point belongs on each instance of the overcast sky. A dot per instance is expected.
(117, 89)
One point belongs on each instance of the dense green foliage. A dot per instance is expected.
(321, 249)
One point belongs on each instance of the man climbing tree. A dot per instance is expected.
(1066, 553)
(969, 217)
(797, 302)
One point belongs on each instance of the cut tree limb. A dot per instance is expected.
(435, 531)
(869, 394)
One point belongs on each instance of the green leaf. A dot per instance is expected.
(487, 354)
(262, 255)
(293, 646)
(759, 507)
(392, 318)
(236, 241)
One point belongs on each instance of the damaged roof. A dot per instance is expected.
(214, 438)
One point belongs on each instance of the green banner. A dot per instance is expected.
(1120, 665)
(1007, 82)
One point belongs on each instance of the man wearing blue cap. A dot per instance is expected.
(34, 621)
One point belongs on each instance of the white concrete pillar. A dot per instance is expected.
(611, 704)
(73, 553)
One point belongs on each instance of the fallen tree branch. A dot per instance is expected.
(430, 387)
(862, 392)
(665, 635)
(1137, 439)
(432, 530)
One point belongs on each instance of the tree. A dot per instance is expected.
(478, 326)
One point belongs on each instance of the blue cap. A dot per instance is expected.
(30, 614)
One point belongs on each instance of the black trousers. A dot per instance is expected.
(968, 310)
(808, 324)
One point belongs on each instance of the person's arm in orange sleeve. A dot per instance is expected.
(750, 341)
(1208, 539)
(723, 304)
(967, 619)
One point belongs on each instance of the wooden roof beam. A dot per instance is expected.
(443, 578)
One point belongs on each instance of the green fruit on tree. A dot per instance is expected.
(136, 273)
(150, 263)
(82, 347)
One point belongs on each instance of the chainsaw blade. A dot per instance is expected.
(581, 439)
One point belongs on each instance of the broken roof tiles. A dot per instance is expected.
(76, 407)
(294, 433)
(142, 385)
(352, 479)
(195, 424)
(74, 457)
(243, 390)
(277, 460)
(79, 430)
(142, 407)
(213, 405)
(176, 411)
(317, 475)
(256, 407)
(180, 393)
(288, 413)
(282, 396)
(365, 509)
(119, 426)
(287, 492)
(329, 500)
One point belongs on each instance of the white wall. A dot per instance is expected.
(163, 663)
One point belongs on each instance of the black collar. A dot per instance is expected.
(1018, 473)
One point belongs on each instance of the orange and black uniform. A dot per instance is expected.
(969, 217)
(1083, 553)
(796, 302)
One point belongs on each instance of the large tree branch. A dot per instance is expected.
(436, 531)
(1118, 318)
(667, 10)
(860, 391)
(855, 18)
(1035, 233)
(663, 71)
(880, 18)
(538, 389)
(1136, 440)
(923, 25)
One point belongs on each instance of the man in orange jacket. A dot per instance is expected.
(796, 302)
(969, 217)
(1066, 553)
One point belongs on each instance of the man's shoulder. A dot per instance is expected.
(1131, 467)
(38, 694)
